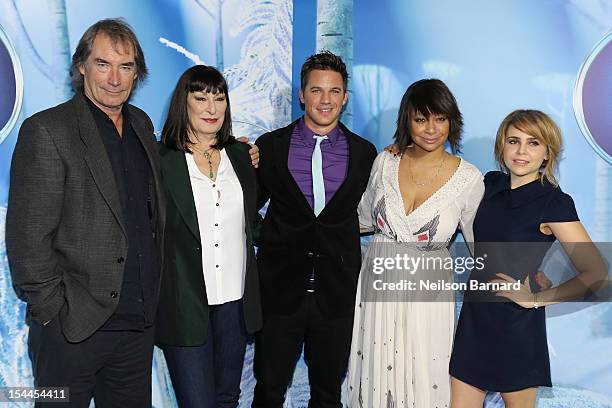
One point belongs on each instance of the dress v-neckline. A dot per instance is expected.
(442, 187)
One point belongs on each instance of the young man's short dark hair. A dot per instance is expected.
(325, 61)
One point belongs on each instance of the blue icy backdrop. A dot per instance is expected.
(495, 57)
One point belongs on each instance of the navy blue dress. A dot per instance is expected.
(499, 345)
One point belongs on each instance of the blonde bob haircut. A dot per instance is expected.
(536, 124)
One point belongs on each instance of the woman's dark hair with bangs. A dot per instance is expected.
(428, 96)
(199, 78)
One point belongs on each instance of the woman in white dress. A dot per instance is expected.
(414, 203)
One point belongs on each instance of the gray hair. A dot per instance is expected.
(119, 31)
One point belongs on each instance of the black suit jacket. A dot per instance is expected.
(293, 240)
(65, 234)
(182, 318)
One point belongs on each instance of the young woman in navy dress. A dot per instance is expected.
(501, 346)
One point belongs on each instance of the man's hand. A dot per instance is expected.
(393, 149)
(254, 151)
(543, 281)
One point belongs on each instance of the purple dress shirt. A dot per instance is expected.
(334, 151)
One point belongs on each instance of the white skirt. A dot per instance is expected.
(400, 347)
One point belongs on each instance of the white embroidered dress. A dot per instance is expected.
(401, 348)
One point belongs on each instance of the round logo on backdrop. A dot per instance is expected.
(592, 98)
(11, 85)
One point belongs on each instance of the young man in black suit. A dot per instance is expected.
(314, 172)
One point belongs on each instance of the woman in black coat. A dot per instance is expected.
(209, 299)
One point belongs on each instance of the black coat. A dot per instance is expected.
(182, 318)
(293, 240)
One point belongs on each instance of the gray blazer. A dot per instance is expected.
(65, 236)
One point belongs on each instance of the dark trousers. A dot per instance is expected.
(278, 345)
(209, 376)
(112, 367)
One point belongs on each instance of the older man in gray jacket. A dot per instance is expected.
(84, 228)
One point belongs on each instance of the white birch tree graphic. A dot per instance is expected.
(214, 9)
(335, 33)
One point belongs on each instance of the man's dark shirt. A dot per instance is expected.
(136, 308)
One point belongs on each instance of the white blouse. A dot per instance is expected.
(220, 210)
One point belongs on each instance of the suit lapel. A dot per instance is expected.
(281, 146)
(242, 169)
(176, 179)
(351, 171)
(146, 138)
(150, 146)
(97, 159)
